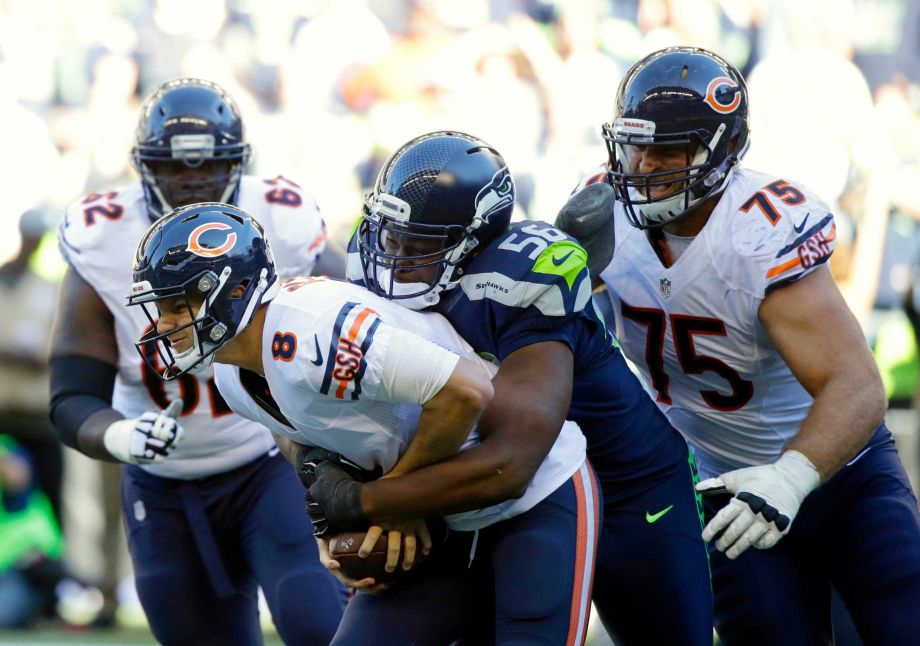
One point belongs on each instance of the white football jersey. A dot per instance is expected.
(693, 330)
(98, 237)
(324, 344)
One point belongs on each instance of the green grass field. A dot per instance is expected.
(53, 635)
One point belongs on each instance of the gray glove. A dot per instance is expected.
(588, 217)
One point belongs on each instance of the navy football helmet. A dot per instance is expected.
(216, 258)
(679, 96)
(189, 146)
(436, 200)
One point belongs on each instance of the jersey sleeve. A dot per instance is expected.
(94, 232)
(538, 287)
(349, 353)
(293, 224)
(341, 356)
(797, 239)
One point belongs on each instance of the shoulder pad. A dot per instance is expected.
(533, 263)
(528, 247)
(87, 223)
(785, 228)
(292, 221)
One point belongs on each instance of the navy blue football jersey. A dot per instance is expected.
(530, 285)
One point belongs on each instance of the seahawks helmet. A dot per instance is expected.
(679, 96)
(215, 258)
(189, 146)
(437, 199)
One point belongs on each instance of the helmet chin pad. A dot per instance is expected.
(414, 295)
(663, 211)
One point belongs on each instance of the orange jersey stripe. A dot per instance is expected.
(596, 501)
(320, 239)
(581, 603)
(786, 266)
(352, 334)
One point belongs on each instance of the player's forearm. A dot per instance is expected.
(440, 435)
(81, 403)
(478, 477)
(91, 436)
(447, 418)
(841, 420)
(288, 448)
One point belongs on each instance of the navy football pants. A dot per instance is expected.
(200, 547)
(529, 583)
(859, 532)
(651, 582)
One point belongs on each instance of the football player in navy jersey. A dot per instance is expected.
(435, 235)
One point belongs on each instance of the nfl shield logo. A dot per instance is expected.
(664, 286)
(140, 512)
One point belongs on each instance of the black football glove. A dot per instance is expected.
(333, 486)
(318, 518)
(337, 496)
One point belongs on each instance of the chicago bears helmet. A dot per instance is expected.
(189, 146)
(437, 198)
(679, 96)
(214, 257)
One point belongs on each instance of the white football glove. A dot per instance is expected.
(145, 439)
(765, 503)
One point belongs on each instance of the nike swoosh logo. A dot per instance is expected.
(651, 518)
(318, 361)
(801, 227)
(558, 261)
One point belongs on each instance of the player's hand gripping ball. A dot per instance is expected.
(344, 547)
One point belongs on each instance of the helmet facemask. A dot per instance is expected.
(394, 251)
(692, 183)
(207, 299)
(193, 170)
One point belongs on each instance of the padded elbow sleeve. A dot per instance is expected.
(80, 386)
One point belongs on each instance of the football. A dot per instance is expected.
(344, 549)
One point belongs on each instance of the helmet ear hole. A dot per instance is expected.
(240, 290)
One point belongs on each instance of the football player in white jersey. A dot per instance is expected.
(211, 515)
(328, 364)
(723, 300)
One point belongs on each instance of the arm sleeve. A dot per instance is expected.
(80, 386)
(414, 369)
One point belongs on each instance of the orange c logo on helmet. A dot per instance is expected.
(210, 252)
(714, 103)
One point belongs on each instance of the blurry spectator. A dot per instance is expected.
(30, 542)
(886, 45)
(28, 292)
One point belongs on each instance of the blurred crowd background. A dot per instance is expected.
(328, 88)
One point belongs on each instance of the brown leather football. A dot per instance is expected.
(344, 549)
